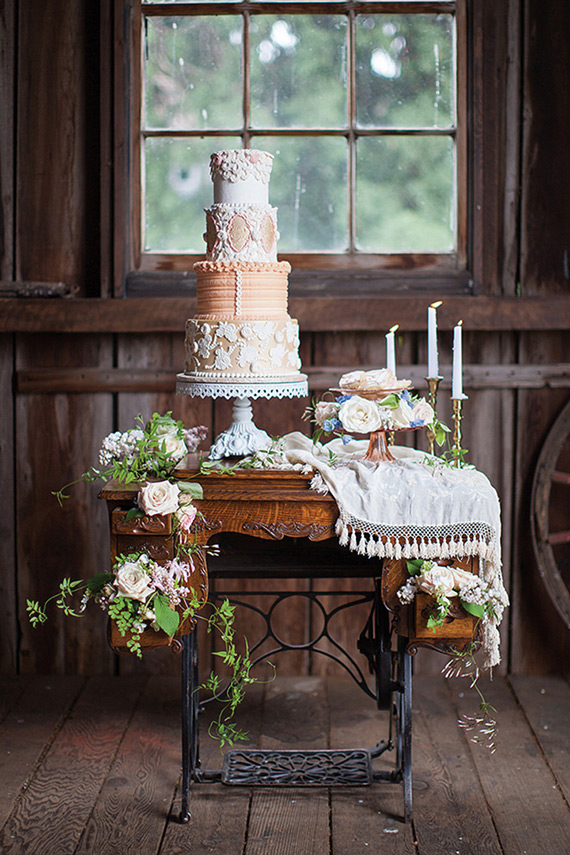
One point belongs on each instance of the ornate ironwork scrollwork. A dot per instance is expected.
(291, 768)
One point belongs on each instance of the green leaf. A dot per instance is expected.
(97, 582)
(415, 566)
(167, 619)
(133, 512)
(192, 488)
(392, 401)
(474, 609)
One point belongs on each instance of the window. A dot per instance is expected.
(364, 104)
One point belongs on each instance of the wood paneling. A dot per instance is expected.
(540, 640)
(545, 251)
(489, 375)
(57, 237)
(355, 313)
(8, 583)
(58, 438)
(7, 74)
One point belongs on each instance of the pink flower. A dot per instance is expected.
(187, 517)
(254, 156)
(180, 570)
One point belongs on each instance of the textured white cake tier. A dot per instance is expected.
(241, 232)
(242, 351)
(241, 176)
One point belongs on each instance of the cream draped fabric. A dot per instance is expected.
(408, 508)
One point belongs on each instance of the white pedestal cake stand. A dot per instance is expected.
(243, 437)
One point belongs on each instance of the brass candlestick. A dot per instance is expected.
(457, 416)
(433, 383)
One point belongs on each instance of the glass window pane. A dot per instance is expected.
(193, 73)
(308, 185)
(177, 188)
(405, 71)
(405, 194)
(298, 71)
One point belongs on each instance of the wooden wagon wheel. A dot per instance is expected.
(550, 510)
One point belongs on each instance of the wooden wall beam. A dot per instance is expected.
(315, 314)
(89, 380)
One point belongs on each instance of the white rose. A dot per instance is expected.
(173, 446)
(423, 412)
(402, 415)
(159, 497)
(359, 415)
(448, 579)
(325, 410)
(132, 581)
(438, 579)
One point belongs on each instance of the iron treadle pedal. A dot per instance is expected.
(328, 767)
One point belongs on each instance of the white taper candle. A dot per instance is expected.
(433, 360)
(457, 379)
(391, 349)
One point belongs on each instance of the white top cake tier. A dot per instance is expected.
(241, 176)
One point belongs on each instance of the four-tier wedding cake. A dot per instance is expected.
(242, 332)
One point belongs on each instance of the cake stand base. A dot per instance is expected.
(378, 450)
(242, 437)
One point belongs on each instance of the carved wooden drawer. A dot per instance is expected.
(457, 624)
(152, 534)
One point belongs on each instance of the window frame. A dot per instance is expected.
(149, 273)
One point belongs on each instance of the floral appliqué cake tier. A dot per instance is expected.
(242, 350)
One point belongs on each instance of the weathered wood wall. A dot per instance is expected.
(68, 379)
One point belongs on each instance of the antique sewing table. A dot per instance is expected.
(275, 506)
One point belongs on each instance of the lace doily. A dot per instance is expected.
(298, 388)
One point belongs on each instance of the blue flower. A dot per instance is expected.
(417, 423)
(330, 424)
(347, 438)
(342, 398)
(405, 395)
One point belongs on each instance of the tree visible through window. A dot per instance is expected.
(357, 100)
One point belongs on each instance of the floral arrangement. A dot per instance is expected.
(373, 401)
(446, 584)
(138, 593)
(150, 450)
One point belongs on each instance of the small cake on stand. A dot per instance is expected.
(374, 403)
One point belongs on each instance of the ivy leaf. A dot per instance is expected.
(474, 609)
(133, 512)
(97, 582)
(192, 488)
(167, 619)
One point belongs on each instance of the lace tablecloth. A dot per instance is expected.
(414, 507)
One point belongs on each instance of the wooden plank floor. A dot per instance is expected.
(93, 766)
